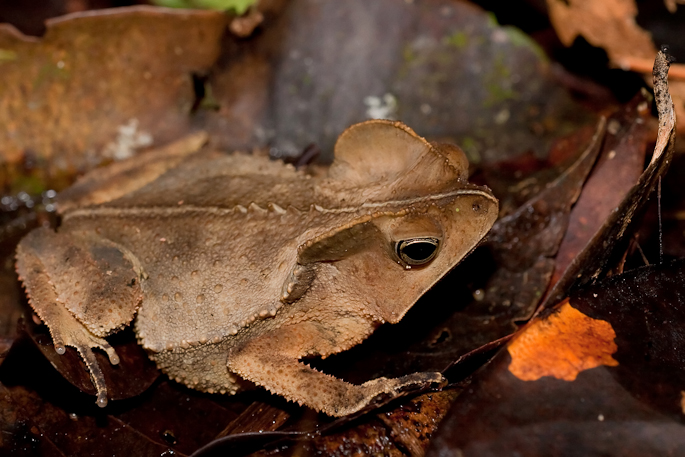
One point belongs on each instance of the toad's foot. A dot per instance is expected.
(77, 336)
(359, 397)
(65, 329)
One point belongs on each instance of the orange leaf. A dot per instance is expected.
(562, 345)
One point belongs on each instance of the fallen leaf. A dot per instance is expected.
(40, 428)
(102, 83)
(617, 170)
(613, 25)
(596, 373)
(608, 24)
(626, 398)
(525, 242)
(609, 242)
(561, 345)
(239, 6)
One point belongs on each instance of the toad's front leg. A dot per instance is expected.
(272, 361)
(84, 288)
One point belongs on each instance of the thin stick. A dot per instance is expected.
(661, 230)
(642, 253)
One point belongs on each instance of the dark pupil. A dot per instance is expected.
(419, 251)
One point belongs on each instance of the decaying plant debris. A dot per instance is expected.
(565, 158)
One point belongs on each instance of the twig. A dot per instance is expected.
(641, 65)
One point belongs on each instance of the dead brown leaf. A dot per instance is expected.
(612, 26)
(599, 255)
(617, 170)
(608, 24)
(102, 83)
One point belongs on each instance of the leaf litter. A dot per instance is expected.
(599, 371)
(455, 322)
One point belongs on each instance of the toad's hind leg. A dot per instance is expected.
(272, 361)
(83, 289)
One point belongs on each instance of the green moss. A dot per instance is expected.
(468, 142)
(496, 83)
(408, 54)
(32, 185)
(7, 55)
(209, 102)
(519, 39)
(409, 58)
(492, 20)
(500, 68)
(458, 40)
(238, 6)
(50, 72)
(470, 147)
(498, 94)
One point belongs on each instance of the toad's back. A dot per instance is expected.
(219, 258)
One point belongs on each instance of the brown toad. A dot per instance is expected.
(236, 267)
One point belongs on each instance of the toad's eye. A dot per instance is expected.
(417, 251)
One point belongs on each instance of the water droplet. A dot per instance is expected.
(177, 296)
(174, 278)
(479, 295)
(193, 273)
(200, 298)
(165, 297)
(218, 288)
